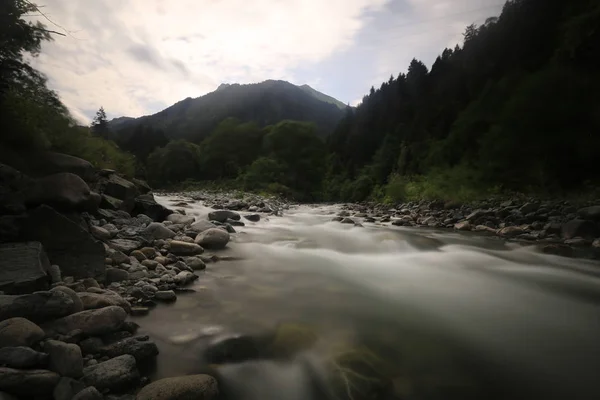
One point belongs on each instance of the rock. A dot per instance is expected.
(185, 249)
(93, 301)
(185, 277)
(21, 357)
(91, 345)
(579, 228)
(558, 250)
(55, 274)
(201, 226)
(149, 252)
(181, 219)
(91, 322)
(118, 256)
(91, 283)
(142, 350)
(110, 202)
(6, 396)
(150, 264)
(528, 208)
(100, 233)
(121, 189)
(38, 306)
(156, 231)
(62, 191)
(463, 226)
(511, 231)
(67, 388)
(195, 263)
(165, 295)
(19, 331)
(89, 393)
(147, 205)
(28, 383)
(591, 213)
(233, 223)
(214, 238)
(125, 245)
(577, 242)
(196, 387)
(139, 311)
(116, 373)
(347, 221)
(66, 243)
(116, 275)
(475, 215)
(138, 255)
(252, 217)
(232, 349)
(77, 304)
(23, 268)
(141, 185)
(65, 358)
(223, 215)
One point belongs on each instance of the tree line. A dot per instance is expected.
(515, 107)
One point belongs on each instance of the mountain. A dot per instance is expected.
(323, 97)
(264, 103)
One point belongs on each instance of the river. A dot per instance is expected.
(450, 315)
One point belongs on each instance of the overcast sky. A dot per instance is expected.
(137, 57)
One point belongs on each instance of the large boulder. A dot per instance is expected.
(48, 163)
(37, 307)
(67, 244)
(223, 216)
(214, 238)
(67, 388)
(63, 191)
(147, 205)
(28, 383)
(91, 322)
(579, 228)
(65, 358)
(119, 188)
(23, 268)
(12, 184)
(114, 374)
(89, 393)
(19, 331)
(141, 185)
(21, 357)
(190, 387)
(77, 304)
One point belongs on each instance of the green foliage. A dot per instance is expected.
(178, 161)
(33, 117)
(516, 108)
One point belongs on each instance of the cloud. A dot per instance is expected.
(135, 57)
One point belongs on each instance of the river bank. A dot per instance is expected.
(160, 297)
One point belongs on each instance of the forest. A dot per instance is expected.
(514, 108)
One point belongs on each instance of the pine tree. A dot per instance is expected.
(100, 124)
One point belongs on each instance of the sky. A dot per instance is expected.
(137, 57)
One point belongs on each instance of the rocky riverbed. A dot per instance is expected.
(111, 292)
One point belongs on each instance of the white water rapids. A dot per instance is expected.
(528, 323)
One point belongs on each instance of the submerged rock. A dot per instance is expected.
(196, 387)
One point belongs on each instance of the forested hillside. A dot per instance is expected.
(517, 107)
(32, 116)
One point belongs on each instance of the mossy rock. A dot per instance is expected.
(291, 339)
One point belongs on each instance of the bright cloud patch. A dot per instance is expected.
(138, 56)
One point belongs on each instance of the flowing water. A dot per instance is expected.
(439, 315)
